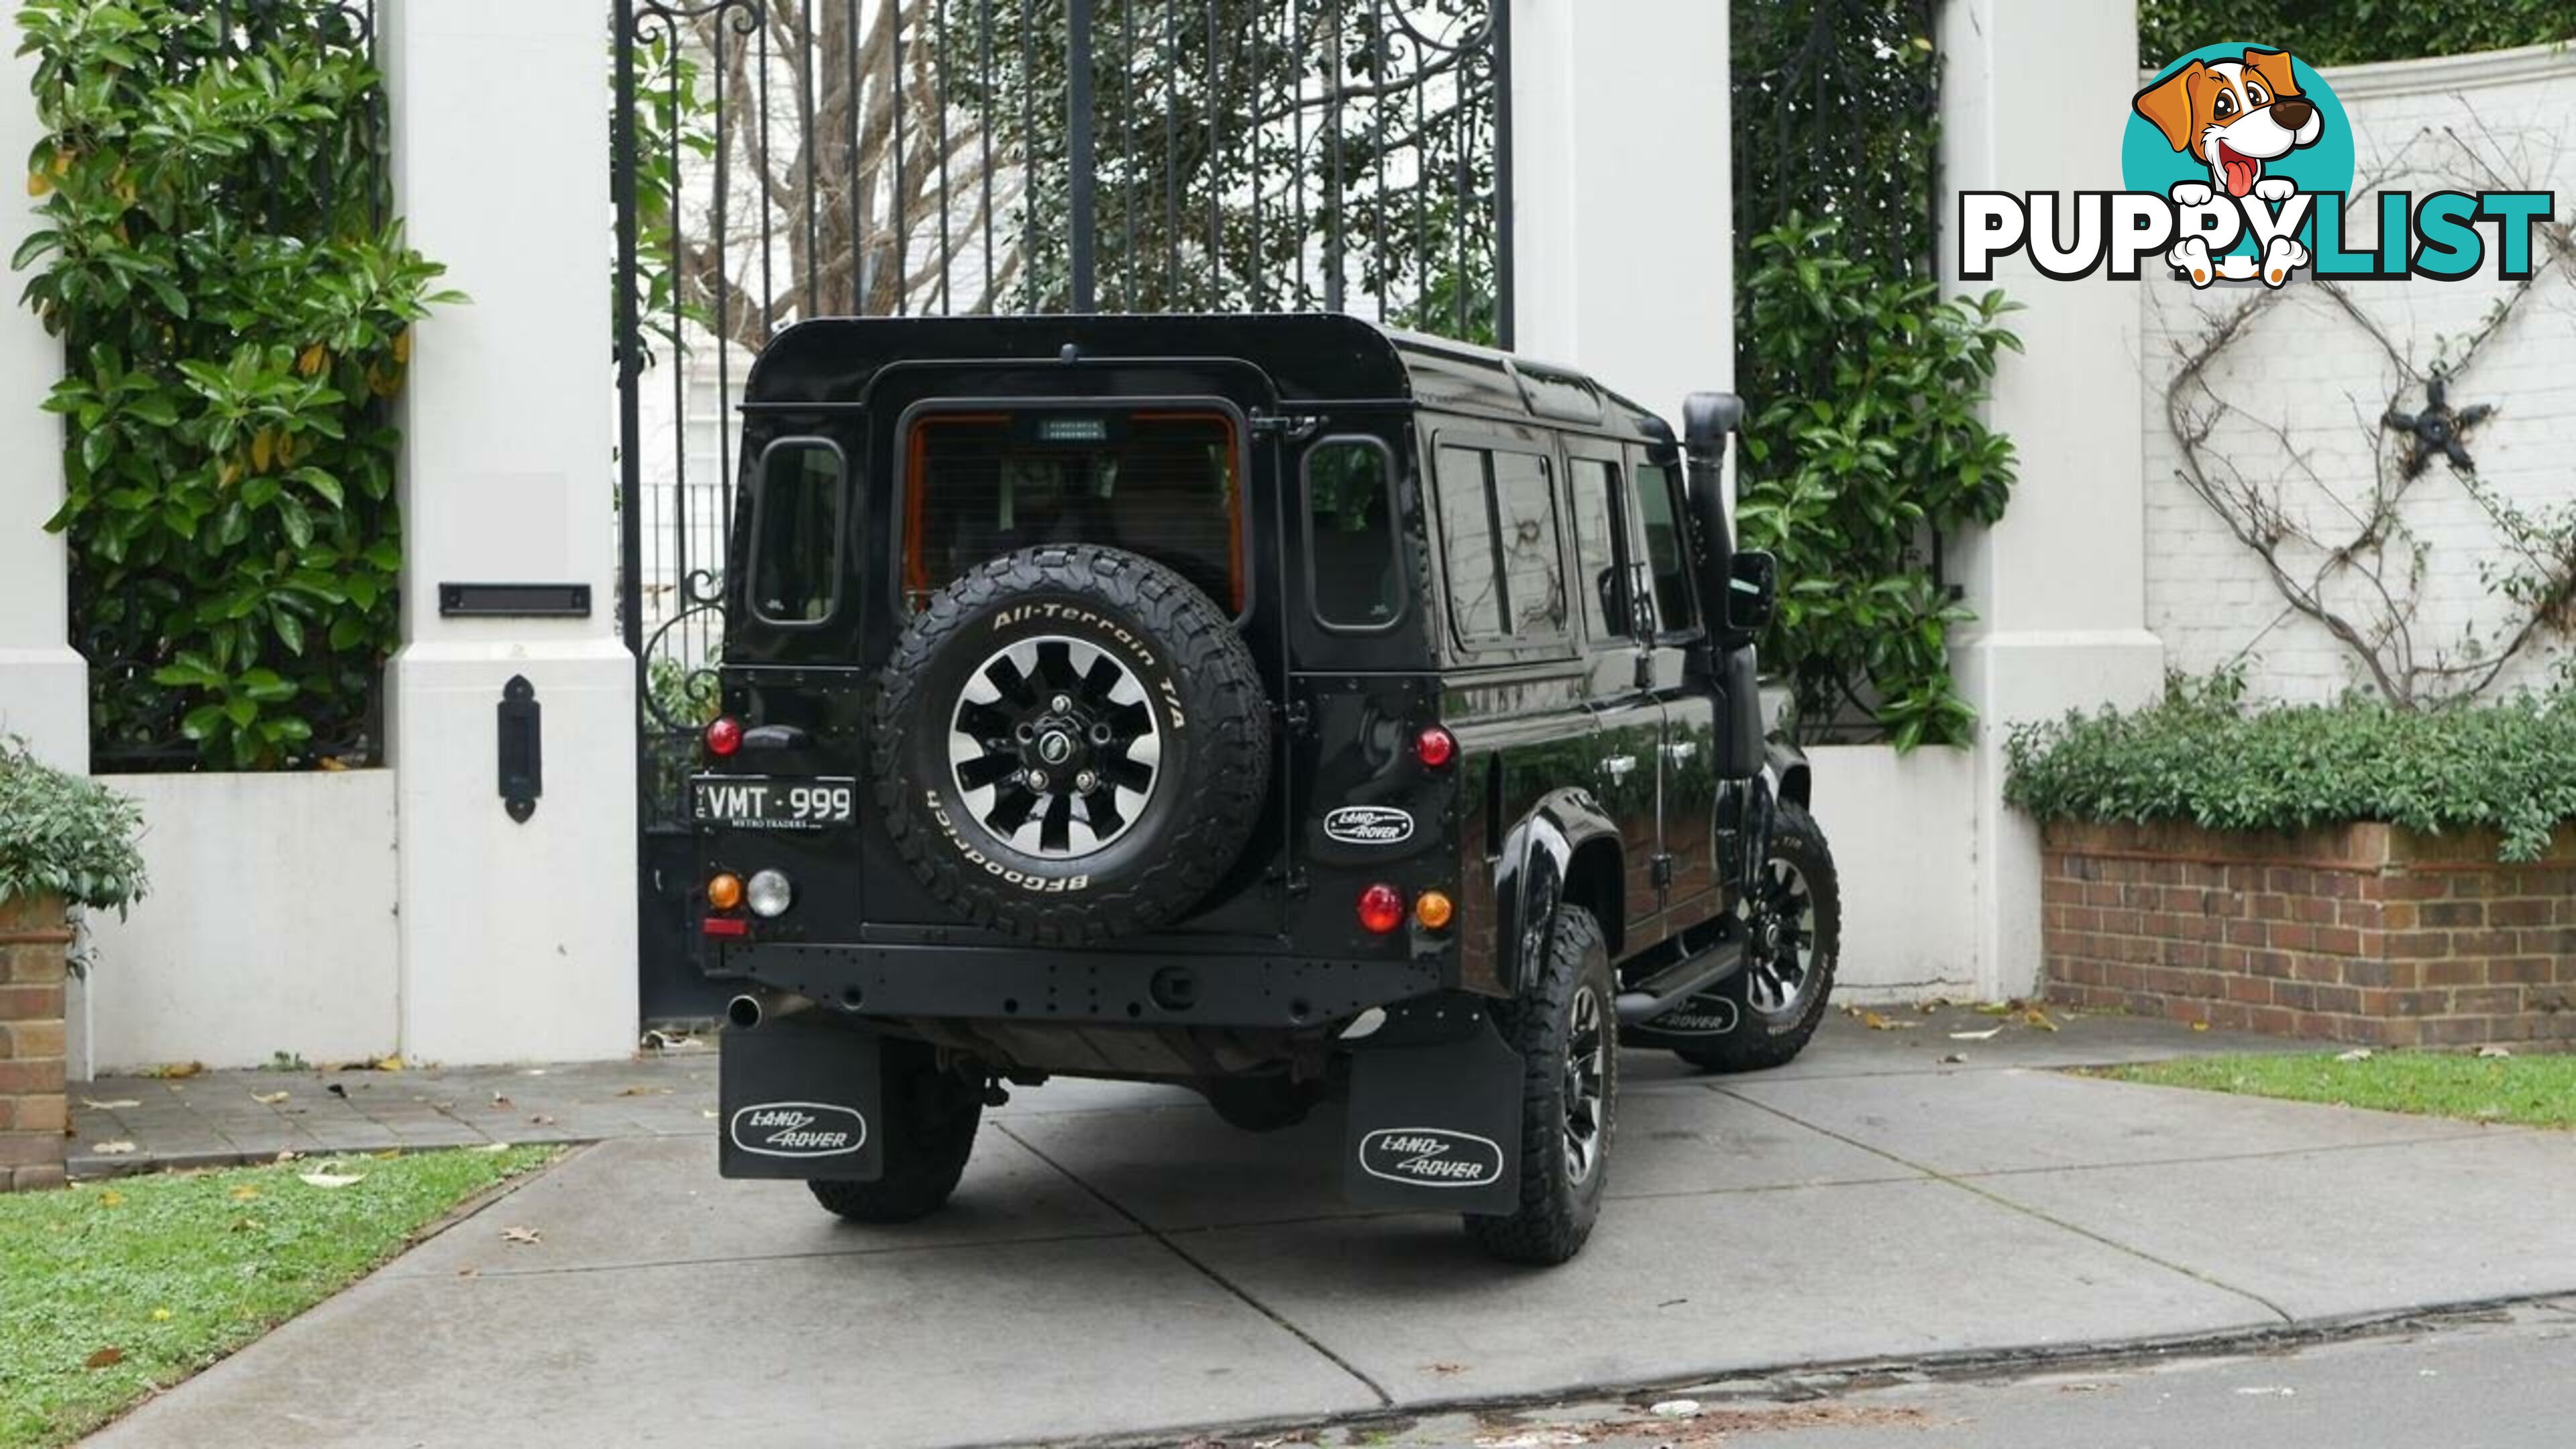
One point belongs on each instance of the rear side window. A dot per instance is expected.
(1160, 484)
(796, 532)
(1499, 546)
(1589, 482)
(1659, 508)
(1354, 567)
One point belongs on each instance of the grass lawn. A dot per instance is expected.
(110, 1290)
(2536, 1091)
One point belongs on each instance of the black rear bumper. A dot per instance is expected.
(1009, 984)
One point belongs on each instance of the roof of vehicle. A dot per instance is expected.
(1309, 358)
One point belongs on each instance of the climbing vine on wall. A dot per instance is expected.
(2359, 567)
(235, 307)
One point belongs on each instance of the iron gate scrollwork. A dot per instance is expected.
(782, 159)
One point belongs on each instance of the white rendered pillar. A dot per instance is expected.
(518, 940)
(1622, 205)
(44, 684)
(2034, 95)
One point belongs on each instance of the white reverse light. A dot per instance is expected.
(769, 893)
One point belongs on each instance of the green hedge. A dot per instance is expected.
(2349, 32)
(64, 835)
(2202, 756)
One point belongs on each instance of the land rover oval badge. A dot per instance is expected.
(798, 1129)
(1369, 825)
(1431, 1157)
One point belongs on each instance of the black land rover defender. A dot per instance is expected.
(1274, 705)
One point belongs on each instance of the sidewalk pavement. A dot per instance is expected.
(123, 1125)
(1118, 1263)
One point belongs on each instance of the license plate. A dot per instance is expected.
(764, 802)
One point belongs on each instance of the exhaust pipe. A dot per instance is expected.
(752, 1008)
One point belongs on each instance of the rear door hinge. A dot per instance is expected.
(1296, 715)
(1662, 868)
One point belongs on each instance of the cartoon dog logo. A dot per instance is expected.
(2234, 116)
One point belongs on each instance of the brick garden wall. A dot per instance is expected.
(2367, 933)
(33, 939)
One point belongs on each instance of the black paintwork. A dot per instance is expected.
(1535, 810)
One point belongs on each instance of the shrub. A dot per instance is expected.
(2353, 31)
(2202, 756)
(1866, 447)
(65, 835)
(235, 310)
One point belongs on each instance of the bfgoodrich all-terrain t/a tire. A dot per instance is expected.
(1072, 745)
(929, 1118)
(1775, 1003)
(1566, 1031)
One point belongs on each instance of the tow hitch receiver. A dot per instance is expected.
(800, 1100)
(1434, 1123)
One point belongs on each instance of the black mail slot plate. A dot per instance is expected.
(514, 601)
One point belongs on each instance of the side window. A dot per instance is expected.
(1590, 483)
(1354, 565)
(1533, 561)
(796, 533)
(1667, 556)
(1467, 551)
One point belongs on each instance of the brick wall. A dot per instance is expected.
(32, 942)
(2366, 933)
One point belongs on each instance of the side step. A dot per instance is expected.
(1679, 982)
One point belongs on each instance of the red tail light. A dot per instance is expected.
(724, 736)
(1435, 746)
(1381, 908)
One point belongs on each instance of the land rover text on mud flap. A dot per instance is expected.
(1276, 706)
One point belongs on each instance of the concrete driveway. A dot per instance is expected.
(1118, 1263)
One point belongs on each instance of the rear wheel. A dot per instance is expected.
(1566, 1033)
(1765, 1013)
(930, 1117)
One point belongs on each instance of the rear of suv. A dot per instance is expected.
(1276, 706)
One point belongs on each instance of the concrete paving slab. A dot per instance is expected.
(1009, 1343)
(659, 1201)
(1182, 1168)
(1846, 1046)
(2016, 1121)
(1676, 1287)
(2329, 1233)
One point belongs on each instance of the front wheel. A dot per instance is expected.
(1566, 1031)
(1765, 1013)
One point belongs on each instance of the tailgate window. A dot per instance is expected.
(1165, 485)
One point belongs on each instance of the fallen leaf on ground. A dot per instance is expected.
(499, 1100)
(542, 1120)
(387, 1155)
(1676, 1409)
(160, 1315)
(245, 1193)
(110, 1197)
(643, 1091)
(2495, 1051)
(521, 1235)
(95, 1105)
(1446, 1369)
(105, 1357)
(2200, 1026)
(339, 1091)
(1876, 1022)
(169, 1070)
(113, 1149)
(332, 1179)
(2032, 1016)
(287, 1154)
(268, 1099)
(2357, 1054)
(1532, 1440)
(707, 1112)
(1975, 1035)
(1954, 1059)
(469, 1271)
(393, 1063)
(494, 1147)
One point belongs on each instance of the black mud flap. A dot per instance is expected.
(800, 1100)
(1435, 1125)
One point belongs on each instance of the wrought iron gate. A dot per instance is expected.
(782, 159)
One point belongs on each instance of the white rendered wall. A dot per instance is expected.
(44, 686)
(1622, 206)
(516, 941)
(1900, 827)
(2307, 368)
(2033, 95)
(270, 926)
